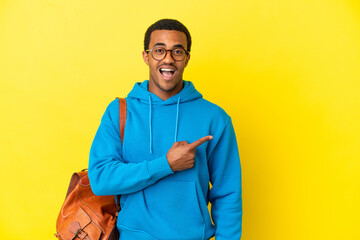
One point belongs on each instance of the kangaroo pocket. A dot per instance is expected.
(165, 210)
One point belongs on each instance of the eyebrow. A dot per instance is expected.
(175, 46)
(159, 44)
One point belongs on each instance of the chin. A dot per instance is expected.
(168, 88)
(169, 85)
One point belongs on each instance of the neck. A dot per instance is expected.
(163, 94)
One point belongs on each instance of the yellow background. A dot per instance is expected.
(287, 72)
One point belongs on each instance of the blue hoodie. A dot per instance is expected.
(157, 203)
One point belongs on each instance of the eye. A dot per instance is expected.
(178, 51)
(159, 50)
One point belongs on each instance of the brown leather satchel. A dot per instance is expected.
(84, 215)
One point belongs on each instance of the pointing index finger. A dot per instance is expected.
(200, 141)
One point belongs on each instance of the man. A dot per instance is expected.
(175, 143)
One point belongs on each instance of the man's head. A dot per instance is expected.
(167, 52)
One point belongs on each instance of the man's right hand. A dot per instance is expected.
(181, 155)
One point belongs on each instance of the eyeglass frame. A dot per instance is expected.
(166, 51)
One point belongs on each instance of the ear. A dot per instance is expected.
(187, 59)
(145, 57)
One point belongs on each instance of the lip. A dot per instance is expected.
(167, 66)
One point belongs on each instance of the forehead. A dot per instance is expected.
(168, 37)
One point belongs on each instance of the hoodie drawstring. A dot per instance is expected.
(177, 119)
(150, 124)
(176, 123)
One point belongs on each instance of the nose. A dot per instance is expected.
(168, 57)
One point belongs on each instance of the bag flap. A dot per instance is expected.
(79, 224)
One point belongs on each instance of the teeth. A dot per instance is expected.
(166, 70)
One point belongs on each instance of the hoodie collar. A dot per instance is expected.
(140, 91)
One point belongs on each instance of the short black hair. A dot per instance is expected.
(167, 24)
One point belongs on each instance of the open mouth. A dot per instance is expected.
(167, 73)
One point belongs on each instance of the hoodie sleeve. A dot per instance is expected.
(108, 173)
(225, 194)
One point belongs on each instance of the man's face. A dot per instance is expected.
(166, 75)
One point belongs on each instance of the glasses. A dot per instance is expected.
(159, 53)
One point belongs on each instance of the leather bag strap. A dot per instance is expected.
(122, 122)
(122, 117)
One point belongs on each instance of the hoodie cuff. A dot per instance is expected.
(159, 168)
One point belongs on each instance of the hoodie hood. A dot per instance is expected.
(140, 92)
